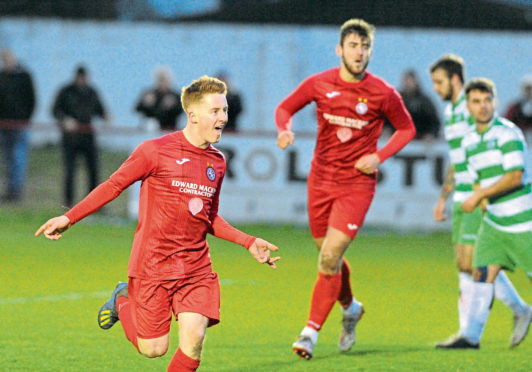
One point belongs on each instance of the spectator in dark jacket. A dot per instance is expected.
(74, 108)
(17, 104)
(161, 102)
(420, 107)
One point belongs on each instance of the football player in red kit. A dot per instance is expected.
(170, 268)
(351, 107)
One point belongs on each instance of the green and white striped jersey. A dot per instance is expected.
(457, 124)
(489, 156)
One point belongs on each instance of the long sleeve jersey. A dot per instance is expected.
(178, 206)
(350, 118)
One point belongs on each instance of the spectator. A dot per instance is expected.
(420, 106)
(161, 102)
(75, 106)
(234, 101)
(17, 103)
(520, 111)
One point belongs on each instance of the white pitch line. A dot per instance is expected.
(54, 298)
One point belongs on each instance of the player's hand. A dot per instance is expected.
(368, 163)
(471, 203)
(149, 99)
(439, 211)
(260, 249)
(69, 124)
(53, 228)
(284, 139)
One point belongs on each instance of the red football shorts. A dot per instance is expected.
(156, 300)
(343, 208)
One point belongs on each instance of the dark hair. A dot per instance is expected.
(410, 73)
(81, 70)
(451, 64)
(482, 84)
(359, 27)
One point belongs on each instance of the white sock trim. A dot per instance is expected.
(310, 332)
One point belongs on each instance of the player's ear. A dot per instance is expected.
(455, 79)
(339, 50)
(192, 116)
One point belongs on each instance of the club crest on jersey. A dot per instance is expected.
(211, 174)
(362, 106)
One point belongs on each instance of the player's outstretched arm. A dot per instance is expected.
(53, 228)
(261, 250)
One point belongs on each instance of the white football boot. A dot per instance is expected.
(521, 326)
(351, 317)
(303, 347)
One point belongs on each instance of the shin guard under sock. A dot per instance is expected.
(324, 295)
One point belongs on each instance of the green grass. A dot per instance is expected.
(44, 185)
(50, 294)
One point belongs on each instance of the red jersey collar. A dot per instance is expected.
(180, 137)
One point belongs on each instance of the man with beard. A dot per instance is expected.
(351, 107)
(495, 156)
(447, 75)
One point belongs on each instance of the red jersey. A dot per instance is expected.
(350, 118)
(178, 204)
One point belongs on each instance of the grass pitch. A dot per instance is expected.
(51, 292)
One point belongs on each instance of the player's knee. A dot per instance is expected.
(329, 263)
(480, 274)
(192, 350)
(196, 336)
(464, 266)
(464, 258)
(192, 342)
(153, 351)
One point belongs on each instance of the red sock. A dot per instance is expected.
(325, 294)
(126, 314)
(346, 295)
(182, 363)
